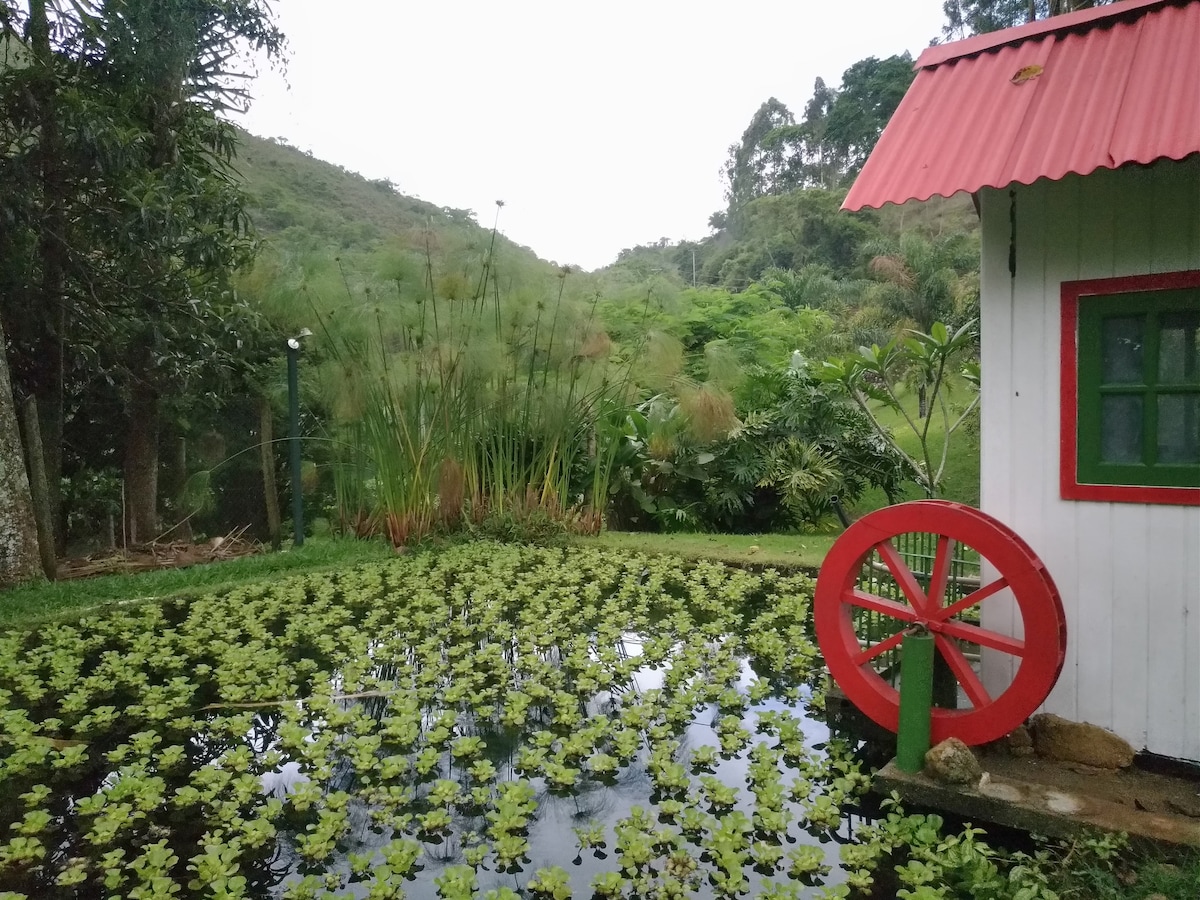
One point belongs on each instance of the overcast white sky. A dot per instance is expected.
(601, 125)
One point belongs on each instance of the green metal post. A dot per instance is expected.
(293, 354)
(916, 700)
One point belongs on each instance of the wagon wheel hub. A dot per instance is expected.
(870, 577)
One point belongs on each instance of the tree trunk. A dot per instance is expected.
(266, 437)
(922, 400)
(141, 464)
(18, 532)
(177, 478)
(37, 488)
(50, 417)
(52, 252)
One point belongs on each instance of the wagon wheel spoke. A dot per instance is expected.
(880, 605)
(984, 637)
(961, 667)
(972, 599)
(942, 558)
(903, 574)
(879, 649)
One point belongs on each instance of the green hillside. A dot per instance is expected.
(707, 329)
(301, 203)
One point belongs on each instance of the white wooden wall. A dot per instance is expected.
(1129, 574)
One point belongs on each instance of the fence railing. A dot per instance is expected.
(919, 551)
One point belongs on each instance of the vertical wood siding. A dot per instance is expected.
(1129, 573)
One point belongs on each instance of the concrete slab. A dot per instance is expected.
(1044, 798)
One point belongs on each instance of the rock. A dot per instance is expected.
(1019, 742)
(1058, 738)
(952, 762)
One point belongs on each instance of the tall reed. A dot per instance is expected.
(473, 403)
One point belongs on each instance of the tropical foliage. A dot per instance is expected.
(872, 378)
(453, 380)
(786, 450)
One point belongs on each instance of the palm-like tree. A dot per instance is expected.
(919, 282)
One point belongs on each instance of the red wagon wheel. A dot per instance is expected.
(1039, 649)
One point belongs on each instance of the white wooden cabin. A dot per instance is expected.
(1079, 138)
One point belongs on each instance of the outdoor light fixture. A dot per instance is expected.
(294, 342)
(293, 360)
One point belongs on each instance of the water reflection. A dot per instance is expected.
(592, 804)
(299, 755)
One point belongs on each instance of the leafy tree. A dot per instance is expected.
(870, 92)
(872, 376)
(180, 52)
(919, 279)
(819, 163)
(812, 286)
(758, 164)
(967, 17)
(789, 231)
(839, 129)
(130, 234)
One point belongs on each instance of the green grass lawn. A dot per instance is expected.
(960, 480)
(35, 603)
(805, 551)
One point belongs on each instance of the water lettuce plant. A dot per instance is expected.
(420, 726)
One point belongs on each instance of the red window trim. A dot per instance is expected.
(1071, 489)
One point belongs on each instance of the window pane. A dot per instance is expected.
(1121, 429)
(1179, 428)
(1123, 343)
(1179, 348)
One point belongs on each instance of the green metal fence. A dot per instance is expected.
(918, 550)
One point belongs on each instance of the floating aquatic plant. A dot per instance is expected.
(174, 749)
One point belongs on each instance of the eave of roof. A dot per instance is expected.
(1117, 84)
(1083, 18)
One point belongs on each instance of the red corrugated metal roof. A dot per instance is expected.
(1118, 84)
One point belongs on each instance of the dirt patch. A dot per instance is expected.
(154, 556)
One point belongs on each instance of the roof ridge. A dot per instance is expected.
(1083, 19)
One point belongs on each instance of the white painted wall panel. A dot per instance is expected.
(1190, 539)
(999, 432)
(1129, 573)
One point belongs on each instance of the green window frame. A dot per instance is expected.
(1138, 391)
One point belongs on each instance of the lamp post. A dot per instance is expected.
(293, 360)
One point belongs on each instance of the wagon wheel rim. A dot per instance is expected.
(1038, 653)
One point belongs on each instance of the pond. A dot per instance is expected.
(489, 721)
